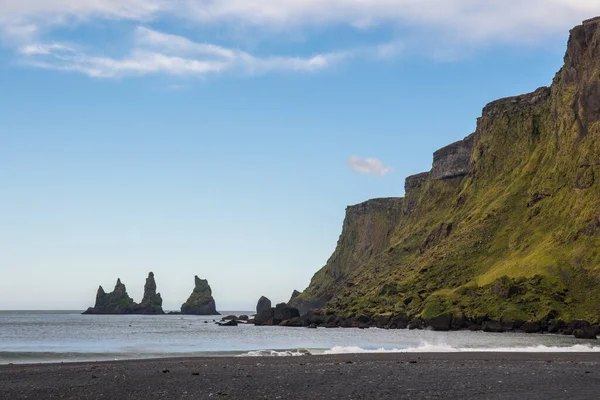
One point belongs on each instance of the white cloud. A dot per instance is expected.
(45, 49)
(441, 28)
(465, 20)
(160, 53)
(368, 166)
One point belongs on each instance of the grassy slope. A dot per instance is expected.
(519, 237)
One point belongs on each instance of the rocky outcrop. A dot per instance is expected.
(263, 304)
(295, 294)
(200, 301)
(454, 160)
(503, 230)
(151, 302)
(413, 186)
(116, 302)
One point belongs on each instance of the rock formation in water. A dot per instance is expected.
(502, 233)
(200, 301)
(119, 302)
(151, 302)
(116, 302)
(263, 304)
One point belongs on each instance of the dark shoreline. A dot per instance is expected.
(349, 376)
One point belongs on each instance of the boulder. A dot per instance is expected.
(230, 318)
(283, 312)
(474, 327)
(243, 317)
(361, 320)
(585, 333)
(531, 327)
(381, 321)
(442, 322)
(492, 326)
(555, 326)
(263, 304)
(294, 322)
(315, 317)
(232, 322)
(200, 301)
(458, 322)
(415, 324)
(265, 317)
(399, 321)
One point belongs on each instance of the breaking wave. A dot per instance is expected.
(440, 348)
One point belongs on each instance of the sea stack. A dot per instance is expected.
(119, 302)
(200, 301)
(152, 302)
(116, 302)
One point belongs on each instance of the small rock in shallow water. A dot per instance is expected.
(195, 373)
(165, 371)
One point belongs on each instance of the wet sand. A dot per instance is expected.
(363, 376)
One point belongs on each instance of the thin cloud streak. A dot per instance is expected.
(160, 53)
(368, 166)
(468, 21)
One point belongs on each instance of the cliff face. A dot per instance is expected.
(505, 226)
(200, 301)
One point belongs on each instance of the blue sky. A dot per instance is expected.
(225, 138)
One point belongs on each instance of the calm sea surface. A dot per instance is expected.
(55, 336)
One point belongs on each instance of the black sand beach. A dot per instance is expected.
(363, 376)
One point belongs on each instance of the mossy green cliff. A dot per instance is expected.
(505, 227)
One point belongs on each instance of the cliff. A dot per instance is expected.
(119, 302)
(200, 301)
(506, 225)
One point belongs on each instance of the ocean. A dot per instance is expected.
(68, 336)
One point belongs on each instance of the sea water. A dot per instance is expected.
(64, 336)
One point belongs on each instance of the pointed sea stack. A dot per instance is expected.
(119, 302)
(200, 301)
(116, 302)
(263, 304)
(152, 302)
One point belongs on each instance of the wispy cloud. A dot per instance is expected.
(159, 53)
(368, 166)
(469, 20)
(442, 28)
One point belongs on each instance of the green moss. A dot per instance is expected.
(525, 234)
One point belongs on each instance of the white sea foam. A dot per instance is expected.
(440, 348)
(277, 353)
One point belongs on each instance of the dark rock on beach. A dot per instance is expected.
(294, 322)
(442, 322)
(284, 312)
(531, 327)
(200, 301)
(265, 317)
(232, 322)
(585, 333)
(492, 326)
